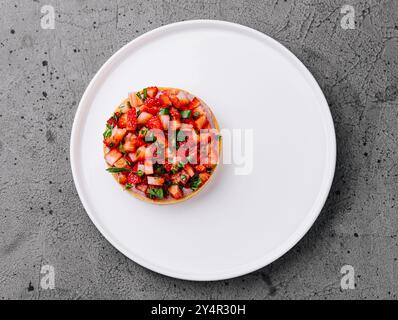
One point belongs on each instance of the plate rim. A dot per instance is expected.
(303, 227)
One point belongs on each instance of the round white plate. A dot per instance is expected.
(240, 223)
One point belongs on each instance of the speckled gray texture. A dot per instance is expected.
(44, 74)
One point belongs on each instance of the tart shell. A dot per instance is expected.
(170, 200)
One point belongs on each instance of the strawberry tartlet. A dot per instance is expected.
(162, 144)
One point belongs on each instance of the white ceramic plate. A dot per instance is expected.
(239, 223)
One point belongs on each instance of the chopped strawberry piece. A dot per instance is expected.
(152, 92)
(200, 122)
(178, 103)
(171, 92)
(200, 168)
(121, 163)
(154, 123)
(138, 155)
(134, 100)
(112, 156)
(152, 110)
(116, 137)
(122, 178)
(153, 102)
(142, 187)
(188, 168)
(138, 166)
(194, 103)
(184, 104)
(155, 181)
(190, 122)
(122, 122)
(168, 167)
(165, 119)
(129, 146)
(148, 167)
(133, 178)
(108, 142)
(131, 123)
(165, 100)
(204, 177)
(175, 101)
(180, 177)
(199, 111)
(175, 114)
(174, 125)
(140, 142)
(144, 117)
(175, 192)
(132, 143)
(113, 120)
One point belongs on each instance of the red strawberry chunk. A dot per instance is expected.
(204, 177)
(112, 156)
(152, 91)
(175, 192)
(122, 122)
(112, 120)
(152, 110)
(175, 114)
(168, 167)
(122, 177)
(132, 143)
(108, 142)
(194, 103)
(175, 101)
(189, 121)
(131, 123)
(133, 178)
(153, 102)
(200, 168)
(142, 187)
(180, 103)
(200, 122)
(136, 166)
(165, 100)
(154, 123)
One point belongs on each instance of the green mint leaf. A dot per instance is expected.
(164, 111)
(108, 131)
(116, 170)
(181, 165)
(196, 182)
(181, 136)
(140, 173)
(156, 193)
(185, 114)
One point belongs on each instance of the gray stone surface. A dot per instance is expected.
(44, 74)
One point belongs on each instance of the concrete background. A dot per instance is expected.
(44, 74)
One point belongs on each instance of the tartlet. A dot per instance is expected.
(162, 144)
